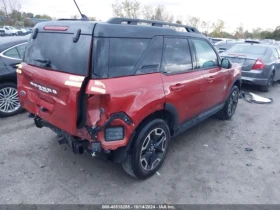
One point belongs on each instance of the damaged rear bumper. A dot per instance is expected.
(80, 146)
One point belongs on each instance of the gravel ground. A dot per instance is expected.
(208, 164)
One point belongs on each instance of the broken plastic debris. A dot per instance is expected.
(206, 145)
(261, 99)
(158, 173)
(251, 97)
(249, 149)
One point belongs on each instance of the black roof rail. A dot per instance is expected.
(64, 19)
(132, 21)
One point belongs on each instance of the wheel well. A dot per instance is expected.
(161, 114)
(120, 154)
(273, 72)
(238, 84)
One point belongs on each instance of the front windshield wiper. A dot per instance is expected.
(47, 63)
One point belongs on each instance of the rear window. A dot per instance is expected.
(57, 51)
(248, 49)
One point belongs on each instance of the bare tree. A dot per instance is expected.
(127, 8)
(14, 5)
(194, 21)
(205, 26)
(147, 12)
(8, 6)
(5, 7)
(117, 10)
(218, 28)
(161, 14)
(240, 32)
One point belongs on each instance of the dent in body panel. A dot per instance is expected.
(135, 98)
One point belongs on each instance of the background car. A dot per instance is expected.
(215, 40)
(10, 30)
(222, 46)
(260, 63)
(11, 54)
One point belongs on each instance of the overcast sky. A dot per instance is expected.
(252, 14)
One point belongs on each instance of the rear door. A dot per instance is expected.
(56, 63)
(215, 78)
(182, 84)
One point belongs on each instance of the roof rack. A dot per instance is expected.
(132, 21)
(64, 19)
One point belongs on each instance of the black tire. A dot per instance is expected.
(268, 86)
(141, 162)
(17, 109)
(231, 104)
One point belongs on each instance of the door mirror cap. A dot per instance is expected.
(226, 64)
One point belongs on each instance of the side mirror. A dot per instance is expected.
(226, 64)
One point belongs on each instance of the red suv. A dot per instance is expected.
(123, 89)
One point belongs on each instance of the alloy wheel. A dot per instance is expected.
(233, 100)
(9, 101)
(153, 149)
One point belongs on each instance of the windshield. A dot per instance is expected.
(57, 51)
(12, 28)
(248, 49)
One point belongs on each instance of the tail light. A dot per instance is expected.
(258, 65)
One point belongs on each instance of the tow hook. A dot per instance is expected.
(78, 146)
(38, 122)
(95, 148)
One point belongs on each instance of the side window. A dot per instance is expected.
(177, 56)
(151, 58)
(278, 50)
(275, 53)
(206, 56)
(12, 53)
(21, 50)
(124, 55)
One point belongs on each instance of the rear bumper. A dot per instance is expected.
(255, 77)
(94, 147)
(254, 81)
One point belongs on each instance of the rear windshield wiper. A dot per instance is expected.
(47, 63)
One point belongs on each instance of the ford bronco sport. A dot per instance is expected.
(123, 89)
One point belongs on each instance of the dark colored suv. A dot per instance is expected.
(123, 89)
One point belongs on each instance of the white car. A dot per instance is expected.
(23, 30)
(10, 30)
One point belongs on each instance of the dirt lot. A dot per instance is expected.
(207, 164)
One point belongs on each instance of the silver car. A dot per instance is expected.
(260, 63)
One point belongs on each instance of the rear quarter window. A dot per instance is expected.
(117, 57)
(124, 54)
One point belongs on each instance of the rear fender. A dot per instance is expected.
(136, 96)
(235, 76)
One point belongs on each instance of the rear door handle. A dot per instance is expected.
(176, 87)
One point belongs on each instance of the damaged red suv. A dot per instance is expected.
(122, 89)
